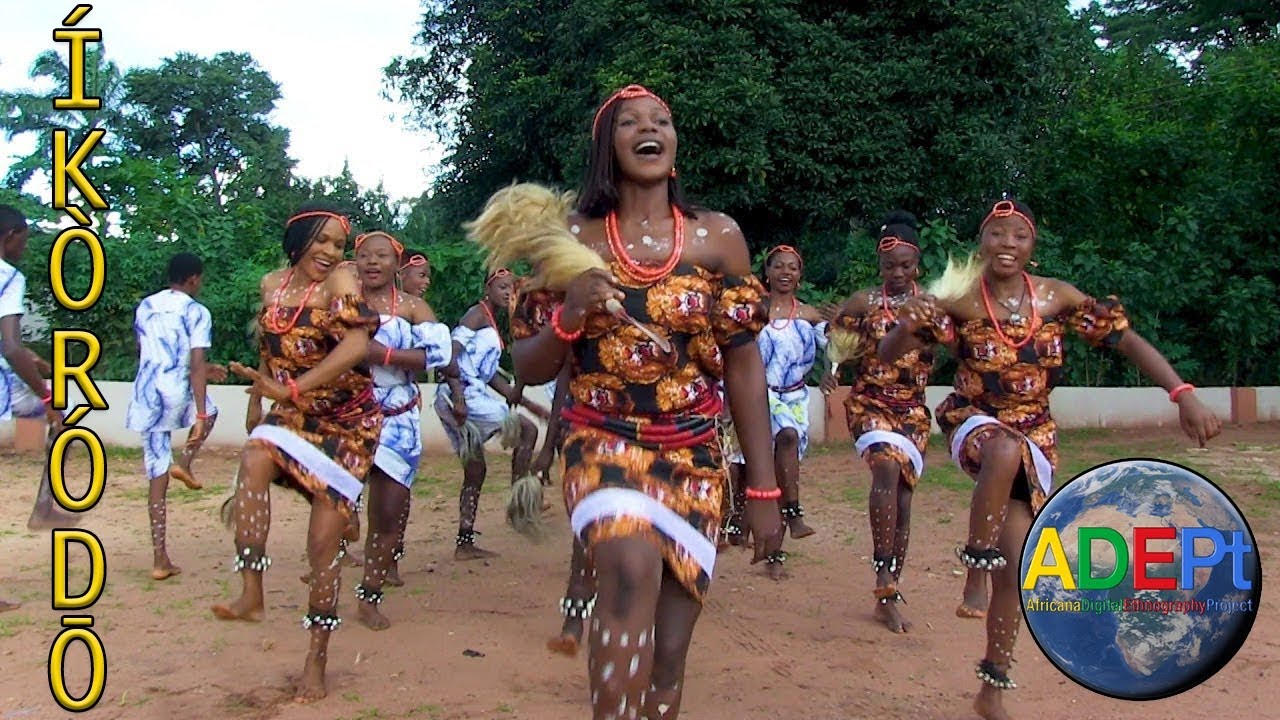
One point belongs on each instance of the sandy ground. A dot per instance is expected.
(803, 648)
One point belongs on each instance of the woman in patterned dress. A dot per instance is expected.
(320, 435)
(478, 345)
(643, 476)
(1008, 339)
(408, 341)
(886, 411)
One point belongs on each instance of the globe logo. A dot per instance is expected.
(1140, 579)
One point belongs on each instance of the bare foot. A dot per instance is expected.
(393, 575)
(165, 570)
(974, 606)
(569, 639)
(891, 617)
(799, 529)
(243, 608)
(371, 618)
(311, 686)
(50, 518)
(7, 605)
(989, 704)
(471, 552)
(565, 644)
(179, 473)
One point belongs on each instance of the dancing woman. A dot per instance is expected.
(415, 273)
(886, 411)
(320, 435)
(789, 347)
(642, 468)
(1009, 328)
(478, 346)
(408, 341)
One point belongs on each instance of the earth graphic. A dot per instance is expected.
(1141, 655)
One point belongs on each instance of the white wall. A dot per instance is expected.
(1072, 407)
(1268, 403)
(233, 404)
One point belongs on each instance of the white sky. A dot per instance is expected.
(326, 55)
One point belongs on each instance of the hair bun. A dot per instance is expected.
(901, 217)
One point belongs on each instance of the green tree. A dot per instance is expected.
(1186, 26)
(803, 120)
(212, 115)
(371, 209)
(32, 111)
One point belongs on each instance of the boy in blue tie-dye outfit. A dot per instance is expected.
(173, 332)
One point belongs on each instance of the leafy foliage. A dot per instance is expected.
(808, 121)
(1187, 26)
(1152, 178)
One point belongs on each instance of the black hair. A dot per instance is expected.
(11, 219)
(599, 187)
(299, 235)
(183, 266)
(768, 262)
(902, 225)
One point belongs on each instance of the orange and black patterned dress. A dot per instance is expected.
(641, 451)
(886, 411)
(1002, 390)
(326, 447)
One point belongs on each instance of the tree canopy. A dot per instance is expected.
(1143, 133)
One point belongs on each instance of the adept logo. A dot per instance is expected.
(1050, 547)
(1140, 579)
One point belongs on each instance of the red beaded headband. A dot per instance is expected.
(890, 242)
(500, 272)
(342, 219)
(1004, 209)
(784, 248)
(627, 93)
(415, 261)
(395, 244)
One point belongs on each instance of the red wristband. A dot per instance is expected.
(754, 494)
(47, 399)
(560, 333)
(1184, 387)
(387, 360)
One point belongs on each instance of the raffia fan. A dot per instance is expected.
(843, 346)
(958, 279)
(527, 221)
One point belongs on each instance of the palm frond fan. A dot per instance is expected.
(958, 279)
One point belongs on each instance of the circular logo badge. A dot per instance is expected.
(1140, 579)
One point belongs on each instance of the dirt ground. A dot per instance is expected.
(803, 648)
